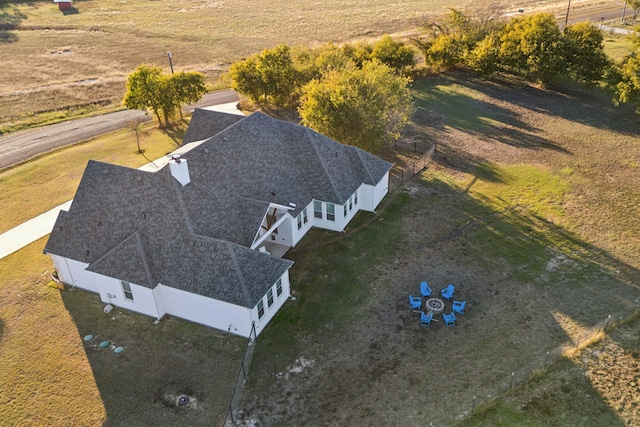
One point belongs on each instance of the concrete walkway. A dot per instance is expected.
(38, 227)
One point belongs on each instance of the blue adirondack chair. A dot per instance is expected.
(415, 302)
(448, 291)
(458, 306)
(449, 319)
(425, 319)
(425, 290)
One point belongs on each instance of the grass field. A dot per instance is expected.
(56, 64)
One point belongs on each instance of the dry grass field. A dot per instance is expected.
(55, 65)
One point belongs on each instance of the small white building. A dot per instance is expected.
(202, 238)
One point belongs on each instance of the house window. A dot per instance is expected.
(270, 298)
(304, 215)
(331, 212)
(279, 287)
(126, 289)
(351, 202)
(260, 309)
(299, 219)
(317, 209)
(344, 209)
(355, 197)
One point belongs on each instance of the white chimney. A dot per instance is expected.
(179, 170)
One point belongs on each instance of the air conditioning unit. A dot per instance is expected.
(108, 308)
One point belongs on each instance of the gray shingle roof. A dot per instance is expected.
(205, 123)
(263, 160)
(146, 229)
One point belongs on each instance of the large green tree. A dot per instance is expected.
(533, 46)
(266, 78)
(393, 53)
(364, 107)
(584, 52)
(149, 89)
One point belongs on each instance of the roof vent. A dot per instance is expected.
(179, 170)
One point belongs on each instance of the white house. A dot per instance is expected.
(202, 238)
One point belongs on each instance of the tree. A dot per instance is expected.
(627, 88)
(365, 107)
(393, 53)
(148, 88)
(484, 59)
(532, 45)
(269, 77)
(584, 52)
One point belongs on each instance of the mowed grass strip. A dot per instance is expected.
(52, 179)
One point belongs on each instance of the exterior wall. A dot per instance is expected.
(278, 302)
(111, 293)
(381, 189)
(297, 235)
(335, 225)
(74, 273)
(373, 195)
(207, 311)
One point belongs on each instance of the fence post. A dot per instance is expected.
(546, 358)
(512, 375)
(473, 407)
(608, 320)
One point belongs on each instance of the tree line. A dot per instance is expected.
(358, 93)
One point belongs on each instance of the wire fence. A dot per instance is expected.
(576, 343)
(404, 169)
(241, 379)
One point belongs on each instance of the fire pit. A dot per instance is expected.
(435, 305)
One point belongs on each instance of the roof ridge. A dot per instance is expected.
(145, 261)
(321, 160)
(364, 164)
(243, 284)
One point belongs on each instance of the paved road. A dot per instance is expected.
(21, 146)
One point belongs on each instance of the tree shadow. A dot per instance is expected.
(10, 18)
(175, 130)
(591, 106)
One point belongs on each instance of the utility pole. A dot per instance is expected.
(566, 19)
(170, 62)
(624, 9)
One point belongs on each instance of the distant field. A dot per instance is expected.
(51, 61)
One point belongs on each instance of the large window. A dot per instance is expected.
(270, 298)
(299, 219)
(126, 289)
(355, 196)
(260, 309)
(351, 202)
(317, 209)
(279, 287)
(304, 215)
(344, 209)
(331, 212)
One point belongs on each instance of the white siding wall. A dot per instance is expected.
(278, 301)
(299, 234)
(381, 189)
(197, 308)
(143, 300)
(73, 273)
(373, 195)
